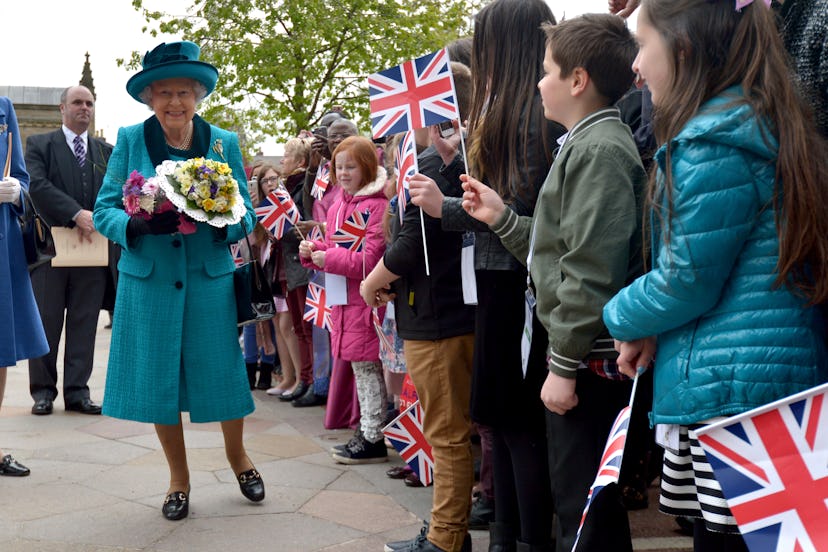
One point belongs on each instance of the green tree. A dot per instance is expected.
(283, 63)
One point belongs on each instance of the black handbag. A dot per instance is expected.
(254, 298)
(38, 243)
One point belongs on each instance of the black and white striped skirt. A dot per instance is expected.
(689, 488)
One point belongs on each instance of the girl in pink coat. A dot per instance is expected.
(345, 252)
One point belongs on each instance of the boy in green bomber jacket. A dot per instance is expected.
(582, 245)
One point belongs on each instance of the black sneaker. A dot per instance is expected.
(482, 513)
(362, 451)
(397, 546)
(356, 436)
(420, 543)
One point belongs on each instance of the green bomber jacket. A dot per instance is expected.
(584, 236)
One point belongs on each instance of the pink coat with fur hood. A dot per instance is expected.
(353, 337)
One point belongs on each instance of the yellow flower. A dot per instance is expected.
(208, 204)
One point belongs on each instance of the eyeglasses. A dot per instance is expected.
(269, 180)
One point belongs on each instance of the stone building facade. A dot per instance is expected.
(37, 107)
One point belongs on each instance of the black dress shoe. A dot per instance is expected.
(300, 390)
(11, 467)
(398, 472)
(310, 399)
(176, 505)
(85, 406)
(252, 485)
(42, 407)
(411, 480)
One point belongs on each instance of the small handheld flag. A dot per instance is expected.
(407, 167)
(322, 180)
(610, 466)
(406, 435)
(385, 343)
(772, 465)
(351, 234)
(277, 212)
(316, 310)
(238, 254)
(416, 94)
(315, 234)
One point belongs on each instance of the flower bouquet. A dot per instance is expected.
(203, 189)
(144, 197)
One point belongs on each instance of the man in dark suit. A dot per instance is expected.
(67, 168)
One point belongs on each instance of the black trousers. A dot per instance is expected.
(76, 293)
(576, 444)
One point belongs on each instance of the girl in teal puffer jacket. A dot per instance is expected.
(738, 227)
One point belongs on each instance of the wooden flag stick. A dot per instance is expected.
(7, 167)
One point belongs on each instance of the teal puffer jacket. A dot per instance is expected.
(728, 341)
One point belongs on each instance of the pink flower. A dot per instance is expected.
(132, 204)
(150, 187)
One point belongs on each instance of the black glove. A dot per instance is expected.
(220, 234)
(160, 223)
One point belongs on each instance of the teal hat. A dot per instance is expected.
(172, 61)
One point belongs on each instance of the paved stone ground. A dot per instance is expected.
(97, 485)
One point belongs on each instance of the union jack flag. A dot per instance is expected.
(315, 234)
(772, 465)
(277, 212)
(610, 466)
(352, 232)
(385, 344)
(316, 311)
(417, 94)
(406, 434)
(238, 254)
(406, 165)
(320, 183)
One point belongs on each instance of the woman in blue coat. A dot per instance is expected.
(23, 337)
(174, 338)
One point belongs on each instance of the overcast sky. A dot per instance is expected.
(45, 42)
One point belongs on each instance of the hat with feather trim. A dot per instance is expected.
(172, 61)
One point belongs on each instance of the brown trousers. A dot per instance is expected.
(441, 372)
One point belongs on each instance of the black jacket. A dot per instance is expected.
(428, 307)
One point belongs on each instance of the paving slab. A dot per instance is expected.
(97, 485)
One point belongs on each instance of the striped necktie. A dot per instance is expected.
(80, 151)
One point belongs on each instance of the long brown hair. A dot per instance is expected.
(713, 47)
(507, 63)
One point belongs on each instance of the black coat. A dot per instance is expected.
(428, 307)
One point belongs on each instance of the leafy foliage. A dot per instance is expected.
(284, 63)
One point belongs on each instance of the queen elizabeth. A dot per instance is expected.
(174, 341)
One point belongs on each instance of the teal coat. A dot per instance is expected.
(728, 339)
(174, 343)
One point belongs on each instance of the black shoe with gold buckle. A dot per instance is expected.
(176, 505)
(252, 485)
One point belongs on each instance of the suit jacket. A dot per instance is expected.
(56, 188)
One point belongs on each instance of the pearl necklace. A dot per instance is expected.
(186, 142)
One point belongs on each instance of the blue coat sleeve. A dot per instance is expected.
(109, 216)
(18, 166)
(715, 206)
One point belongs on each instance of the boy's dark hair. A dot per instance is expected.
(602, 45)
